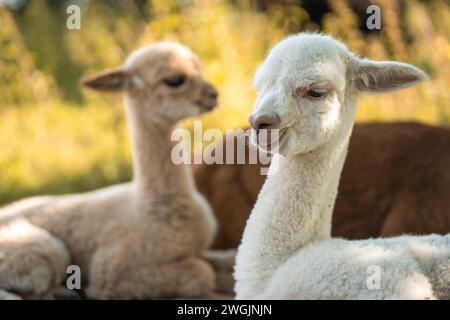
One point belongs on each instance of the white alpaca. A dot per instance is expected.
(137, 240)
(308, 88)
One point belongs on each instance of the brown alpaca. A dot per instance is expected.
(396, 180)
(141, 239)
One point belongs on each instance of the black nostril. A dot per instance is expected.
(211, 92)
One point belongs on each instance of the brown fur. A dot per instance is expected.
(396, 180)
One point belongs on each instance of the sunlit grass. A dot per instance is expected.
(61, 148)
(57, 138)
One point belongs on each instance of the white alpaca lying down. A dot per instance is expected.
(308, 87)
(397, 268)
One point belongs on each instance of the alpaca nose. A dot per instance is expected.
(264, 121)
(211, 92)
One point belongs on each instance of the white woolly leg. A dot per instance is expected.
(113, 276)
(5, 295)
(32, 261)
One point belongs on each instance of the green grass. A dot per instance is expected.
(57, 138)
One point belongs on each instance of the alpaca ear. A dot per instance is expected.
(384, 76)
(109, 80)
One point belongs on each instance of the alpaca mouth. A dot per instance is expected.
(207, 105)
(270, 141)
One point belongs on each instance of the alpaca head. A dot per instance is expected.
(307, 88)
(165, 80)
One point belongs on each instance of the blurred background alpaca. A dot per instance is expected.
(58, 139)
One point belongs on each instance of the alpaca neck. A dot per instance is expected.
(154, 173)
(294, 208)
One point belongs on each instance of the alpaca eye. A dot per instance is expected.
(316, 93)
(175, 82)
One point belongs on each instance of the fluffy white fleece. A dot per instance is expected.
(311, 83)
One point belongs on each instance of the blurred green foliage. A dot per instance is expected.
(57, 138)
